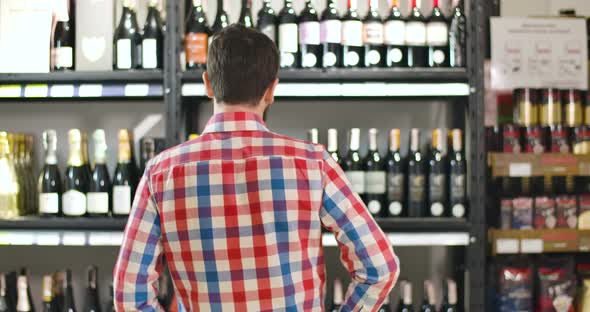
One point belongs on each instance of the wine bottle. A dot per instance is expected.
(338, 298)
(309, 37)
(32, 195)
(333, 145)
(26, 175)
(313, 136)
(47, 294)
(352, 164)
(8, 181)
(57, 302)
(245, 18)
(3, 299)
(221, 19)
(395, 177)
(14, 142)
(85, 157)
(437, 186)
(50, 186)
(63, 52)
(69, 303)
(152, 44)
(457, 172)
(99, 195)
(428, 303)
(374, 177)
(125, 180)
(267, 20)
(352, 37)
(450, 297)
(458, 37)
(127, 40)
(76, 182)
(395, 37)
(196, 40)
(288, 36)
(23, 303)
(148, 151)
(373, 37)
(416, 37)
(406, 304)
(331, 36)
(437, 38)
(416, 180)
(92, 299)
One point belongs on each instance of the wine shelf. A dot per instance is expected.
(114, 84)
(108, 232)
(539, 241)
(548, 164)
(415, 82)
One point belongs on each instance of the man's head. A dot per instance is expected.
(242, 67)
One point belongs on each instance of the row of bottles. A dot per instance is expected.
(16, 175)
(417, 185)
(57, 293)
(132, 48)
(309, 41)
(449, 303)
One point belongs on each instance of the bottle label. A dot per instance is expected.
(309, 33)
(351, 58)
(374, 207)
(352, 33)
(74, 203)
(415, 34)
(124, 54)
(196, 45)
(373, 57)
(373, 33)
(121, 199)
(270, 31)
(395, 33)
(457, 187)
(395, 186)
(63, 57)
(416, 188)
(329, 59)
(458, 210)
(566, 212)
(98, 203)
(288, 38)
(48, 203)
(395, 55)
(150, 53)
(375, 182)
(395, 208)
(437, 187)
(437, 34)
(357, 181)
(331, 31)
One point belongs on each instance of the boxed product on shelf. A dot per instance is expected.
(94, 36)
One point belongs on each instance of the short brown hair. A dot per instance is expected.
(242, 63)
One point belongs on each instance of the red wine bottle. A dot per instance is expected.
(373, 37)
(196, 40)
(416, 37)
(437, 38)
(331, 36)
(395, 167)
(267, 20)
(374, 177)
(309, 37)
(245, 18)
(352, 164)
(352, 37)
(416, 177)
(288, 36)
(333, 145)
(63, 52)
(458, 37)
(152, 45)
(395, 38)
(437, 186)
(457, 177)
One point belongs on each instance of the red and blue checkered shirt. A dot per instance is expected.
(238, 215)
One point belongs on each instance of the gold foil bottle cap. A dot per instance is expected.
(394, 139)
(4, 146)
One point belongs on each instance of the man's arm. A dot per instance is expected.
(365, 250)
(139, 263)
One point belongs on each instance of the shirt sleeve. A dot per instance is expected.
(365, 250)
(139, 264)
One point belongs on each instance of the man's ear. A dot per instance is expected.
(269, 94)
(208, 88)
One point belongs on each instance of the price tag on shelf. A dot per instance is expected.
(90, 90)
(137, 89)
(117, 238)
(102, 239)
(61, 91)
(4, 239)
(73, 239)
(10, 91)
(507, 246)
(531, 245)
(520, 170)
(36, 91)
(47, 238)
(22, 238)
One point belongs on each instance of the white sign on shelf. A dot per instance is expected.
(539, 53)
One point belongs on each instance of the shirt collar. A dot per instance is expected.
(235, 121)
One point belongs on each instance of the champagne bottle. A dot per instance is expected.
(437, 176)
(374, 177)
(50, 186)
(32, 196)
(76, 180)
(9, 188)
(23, 303)
(63, 51)
(416, 179)
(127, 39)
(47, 293)
(338, 298)
(26, 174)
(3, 300)
(333, 145)
(267, 20)
(245, 18)
(395, 177)
(152, 45)
(92, 299)
(352, 165)
(125, 179)
(85, 158)
(458, 176)
(99, 195)
(15, 140)
(331, 36)
(406, 304)
(69, 303)
(428, 303)
(450, 297)
(313, 136)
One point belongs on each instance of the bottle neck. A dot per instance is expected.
(288, 3)
(394, 140)
(452, 292)
(75, 158)
(437, 138)
(414, 4)
(415, 140)
(23, 295)
(332, 140)
(219, 6)
(124, 155)
(246, 5)
(50, 146)
(373, 140)
(407, 297)
(313, 136)
(457, 140)
(352, 5)
(394, 4)
(338, 294)
(47, 283)
(51, 156)
(355, 138)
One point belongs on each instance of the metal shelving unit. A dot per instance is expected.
(176, 88)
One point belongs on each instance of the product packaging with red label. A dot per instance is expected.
(511, 139)
(545, 213)
(516, 289)
(522, 213)
(567, 212)
(559, 140)
(556, 289)
(533, 140)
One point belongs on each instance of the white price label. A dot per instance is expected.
(90, 90)
(10, 91)
(61, 91)
(520, 170)
(36, 91)
(73, 239)
(507, 246)
(137, 89)
(531, 246)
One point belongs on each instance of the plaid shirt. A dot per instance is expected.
(238, 215)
